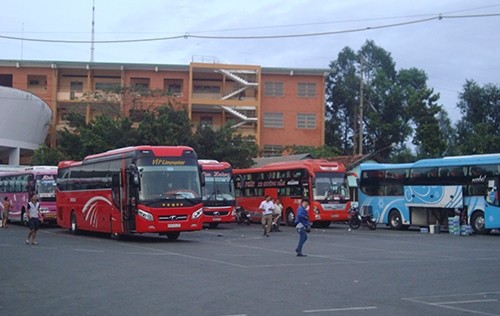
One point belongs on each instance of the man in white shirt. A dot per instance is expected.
(267, 208)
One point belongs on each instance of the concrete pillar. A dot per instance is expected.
(14, 156)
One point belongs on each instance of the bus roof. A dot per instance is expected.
(175, 151)
(470, 160)
(311, 164)
(30, 170)
(384, 166)
(213, 164)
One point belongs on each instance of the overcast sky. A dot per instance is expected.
(449, 50)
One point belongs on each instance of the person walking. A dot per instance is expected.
(278, 210)
(302, 225)
(267, 207)
(5, 212)
(34, 219)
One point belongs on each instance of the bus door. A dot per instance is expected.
(118, 224)
(492, 208)
(132, 185)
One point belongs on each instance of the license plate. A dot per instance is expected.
(174, 225)
(216, 219)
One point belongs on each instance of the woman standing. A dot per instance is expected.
(278, 210)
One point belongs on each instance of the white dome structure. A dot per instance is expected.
(24, 123)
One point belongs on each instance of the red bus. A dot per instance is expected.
(321, 181)
(133, 190)
(21, 183)
(218, 193)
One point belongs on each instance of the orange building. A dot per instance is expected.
(280, 107)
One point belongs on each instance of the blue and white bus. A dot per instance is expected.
(381, 192)
(434, 189)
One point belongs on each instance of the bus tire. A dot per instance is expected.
(73, 226)
(395, 220)
(173, 235)
(290, 217)
(477, 223)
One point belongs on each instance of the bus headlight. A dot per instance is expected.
(316, 210)
(197, 213)
(147, 216)
(44, 210)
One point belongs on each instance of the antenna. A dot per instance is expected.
(93, 33)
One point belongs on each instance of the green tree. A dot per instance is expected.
(316, 152)
(478, 131)
(44, 155)
(224, 144)
(99, 135)
(165, 126)
(394, 102)
(427, 116)
(342, 91)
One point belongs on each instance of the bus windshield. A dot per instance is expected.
(218, 188)
(330, 186)
(46, 187)
(169, 182)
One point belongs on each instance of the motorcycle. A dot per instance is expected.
(242, 216)
(356, 219)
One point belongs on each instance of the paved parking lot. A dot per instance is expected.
(234, 270)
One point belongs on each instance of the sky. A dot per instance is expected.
(463, 45)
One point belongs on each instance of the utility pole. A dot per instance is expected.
(93, 32)
(361, 100)
(354, 130)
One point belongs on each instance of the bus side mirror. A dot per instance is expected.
(134, 174)
(202, 176)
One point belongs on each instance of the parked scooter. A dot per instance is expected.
(356, 219)
(242, 216)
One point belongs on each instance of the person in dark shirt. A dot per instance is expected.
(302, 225)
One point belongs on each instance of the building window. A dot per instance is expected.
(173, 86)
(199, 88)
(272, 150)
(37, 82)
(273, 120)
(140, 83)
(76, 86)
(306, 121)
(6, 80)
(206, 121)
(107, 86)
(306, 89)
(273, 89)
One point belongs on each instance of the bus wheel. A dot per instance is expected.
(73, 227)
(477, 222)
(395, 221)
(290, 217)
(173, 235)
(213, 225)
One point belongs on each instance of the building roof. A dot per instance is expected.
(141, 66)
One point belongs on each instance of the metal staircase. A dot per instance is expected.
(235, 75)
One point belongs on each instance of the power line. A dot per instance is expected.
(255, 37)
